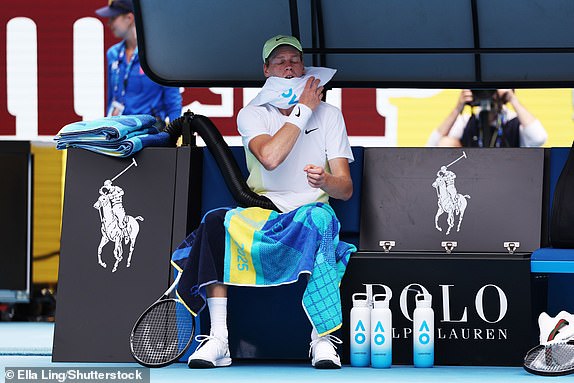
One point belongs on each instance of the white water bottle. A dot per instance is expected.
(381, 332)
(423, 331)
(360, 326)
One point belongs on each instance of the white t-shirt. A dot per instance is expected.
(324, 138)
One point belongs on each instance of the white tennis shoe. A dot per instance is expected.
(557, 329)
(211, 352)
(323, 352)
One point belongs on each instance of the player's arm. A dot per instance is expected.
(338, 183)
(271, 151)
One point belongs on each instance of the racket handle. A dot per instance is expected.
(174, 284)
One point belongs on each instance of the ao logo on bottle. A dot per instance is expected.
(379, 337)
(360, 330)
(360, 333)
(424, 337)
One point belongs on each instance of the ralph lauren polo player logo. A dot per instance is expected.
(450, 201)
(117, 227)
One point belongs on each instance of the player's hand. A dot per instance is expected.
(312, 94)
(316, 176)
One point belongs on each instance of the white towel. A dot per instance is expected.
(283, 93)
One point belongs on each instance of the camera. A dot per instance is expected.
(481, 96)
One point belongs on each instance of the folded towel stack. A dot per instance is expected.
(118, 136)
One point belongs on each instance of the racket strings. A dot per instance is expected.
(163, 333)
(551, 359)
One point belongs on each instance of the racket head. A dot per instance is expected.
(162, 334)
(554, 359)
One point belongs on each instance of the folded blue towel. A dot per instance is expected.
(124, 148)
(118, 136)
(107, 128)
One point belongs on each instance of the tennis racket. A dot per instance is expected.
(552, 359)
(163, 333)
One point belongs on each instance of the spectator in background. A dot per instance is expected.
(518, 128)
(130, 91)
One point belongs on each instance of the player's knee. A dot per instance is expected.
(321, 217)
(214, 218)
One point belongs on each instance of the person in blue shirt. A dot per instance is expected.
(130, 91)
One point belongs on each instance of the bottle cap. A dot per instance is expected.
(423, 300)
(382, 303)
(370, 287)
(360, 300)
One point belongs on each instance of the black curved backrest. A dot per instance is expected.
(561, 229)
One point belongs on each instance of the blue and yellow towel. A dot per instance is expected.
(266, 248)
(118, 136)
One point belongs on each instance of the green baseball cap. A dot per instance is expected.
(278, 40)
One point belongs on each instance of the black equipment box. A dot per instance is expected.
(481, 303)
(460, 223)
(106, 280)
(468, 199)
(16, 163)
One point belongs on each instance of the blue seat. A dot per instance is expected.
(558, 264)
(550, 260)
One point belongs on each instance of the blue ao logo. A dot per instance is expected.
(424, 337)
(290, 94)
(360, 330)
(379, 337)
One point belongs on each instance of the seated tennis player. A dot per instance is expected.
(298, 156)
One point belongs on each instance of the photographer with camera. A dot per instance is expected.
(491, 123)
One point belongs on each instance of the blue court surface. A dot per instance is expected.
(26, 344)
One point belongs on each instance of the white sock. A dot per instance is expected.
(314, 334)
(218, 315)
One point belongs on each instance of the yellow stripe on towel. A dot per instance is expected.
(241, 229)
